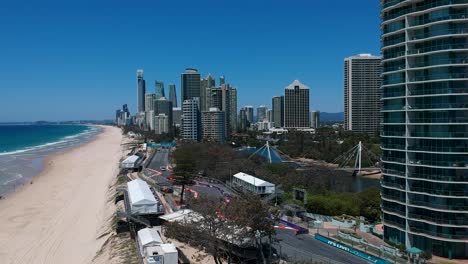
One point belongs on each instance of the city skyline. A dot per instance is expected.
(90, 55)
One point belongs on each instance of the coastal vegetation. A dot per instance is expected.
(327, 144)
(329, 191)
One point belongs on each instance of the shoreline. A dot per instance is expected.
(60, 216)
(43, 156)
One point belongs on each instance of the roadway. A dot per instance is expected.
(300, 247)
(305, 247)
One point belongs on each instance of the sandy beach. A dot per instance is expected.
(60, 215)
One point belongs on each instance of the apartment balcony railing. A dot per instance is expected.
(391, 3)
(434, 62)
(451, 207)
(393, 41)
(439, 234)
(393, 159)
(394, 172)
(447, 120)
(430, 5)
(425, 91)
(394, 197)
(392, 55)
(392, 185)
(438, 148)
(439, 177)
(437, 48)
(435, 33)
(434, 191)
(419, 22)
(439, 220)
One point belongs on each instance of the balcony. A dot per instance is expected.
(391, 3)
(419, 22)
(435, 33)
(451, 207)
(435, 62)
(438, 177)
(442, 120)
(439, 220)
(393, 172)
(394, 197)
(439, 234)
(429, 5)
(436, 48)
(439, 191)
(437, 90)
(393, 41)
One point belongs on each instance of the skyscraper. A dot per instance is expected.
(296, 106)
(190, 84)
(249, 113)
(159, 89)
(362, 82)
(261, 113)
(243, 123)
(177, 116)
(233, 110)
(141, 90)
(206, 86)
(277, 104)
(191, 119)
(315, 119)
(161, 124)
(214, 125)
(163, 106)
(222, 80)
(149, 102)
(269, 116)
(173, 94)
(424, 137)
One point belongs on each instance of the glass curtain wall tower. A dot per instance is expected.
(425, 125)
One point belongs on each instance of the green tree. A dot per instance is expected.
(185, 169)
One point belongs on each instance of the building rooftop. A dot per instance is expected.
(297, 83)
(252, 180)
(364, 56)
(149, 236)
(140, 193)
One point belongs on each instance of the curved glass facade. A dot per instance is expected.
(425, 124)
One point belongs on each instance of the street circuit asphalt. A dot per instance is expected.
(306, 247)
(291, 247)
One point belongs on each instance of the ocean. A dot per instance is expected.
(24, 147)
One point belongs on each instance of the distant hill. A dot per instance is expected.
(331, 117)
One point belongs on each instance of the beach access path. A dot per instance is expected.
(59, 217)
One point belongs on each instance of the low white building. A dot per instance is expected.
(142, 200)
(132, 162)
(253, 184)
(163, 254)
(153, 249)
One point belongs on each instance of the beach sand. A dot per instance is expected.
(59, 217)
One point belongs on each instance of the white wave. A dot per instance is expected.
(16, 177)
(67, 139)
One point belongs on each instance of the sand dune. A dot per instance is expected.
(59, 217)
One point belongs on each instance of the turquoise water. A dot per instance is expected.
(24, 147)
(20, 138)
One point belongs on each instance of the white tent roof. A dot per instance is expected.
(185, 215)
(140, 193)
(149, 236)
(252, 180)
(131, 159)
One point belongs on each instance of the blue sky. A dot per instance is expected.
(78, 60)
